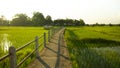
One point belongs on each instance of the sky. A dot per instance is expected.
(91, 11)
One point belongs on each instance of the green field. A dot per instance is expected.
(94, 47)
(17, 37)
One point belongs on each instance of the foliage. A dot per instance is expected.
(97, 24)
(20, 20)
(48, 20)
(38, 19)
(69, 22)
(3, 21)
(94, 47)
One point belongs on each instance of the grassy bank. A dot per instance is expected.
(94, 47)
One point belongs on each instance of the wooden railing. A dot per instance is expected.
(12, 50)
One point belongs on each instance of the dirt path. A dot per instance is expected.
(55, 54)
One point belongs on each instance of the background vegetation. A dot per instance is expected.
(38, 19)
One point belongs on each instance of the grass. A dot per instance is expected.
(17, 37)
(94, 47)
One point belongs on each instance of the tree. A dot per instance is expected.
(77, 22)
(3, 21)
(48, 20)
(20, 20)
(69, 22)
(38, 19)
(110, 24)
(82, 23)
(59, 22)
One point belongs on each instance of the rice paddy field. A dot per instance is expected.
(17, 37)
(94, 47)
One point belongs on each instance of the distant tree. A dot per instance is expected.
(77, 23)
(59, 22)
(3, 21)
(96, 24)
(102, 24)
(69, 22)
(110, 24)
(48, 20)
(38, 19)
(118, 24)
(87, 24)
(82, 23)
(20, 20)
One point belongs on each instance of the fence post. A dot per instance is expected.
(53, 31)
(12, 52)
(64, 31)
(36, 46)
(49, 36)
(44, 39)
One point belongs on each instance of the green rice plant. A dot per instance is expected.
(94, 47)
(19, 36)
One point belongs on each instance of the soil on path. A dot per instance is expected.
(54, 55)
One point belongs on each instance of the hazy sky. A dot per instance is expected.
(91, 11)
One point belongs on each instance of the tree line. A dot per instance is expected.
(38, 19)
(97, 24)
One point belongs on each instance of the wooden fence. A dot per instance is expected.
(12, 50)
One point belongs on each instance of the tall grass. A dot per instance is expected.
(94, 47)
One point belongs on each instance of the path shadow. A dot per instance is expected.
(64, 46)
(43, 62)
(57, 53)
(53, 42)
(54, 38)
(60, 43)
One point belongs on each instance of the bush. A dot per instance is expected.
(47, 27)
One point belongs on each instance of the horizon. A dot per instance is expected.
(91, 11)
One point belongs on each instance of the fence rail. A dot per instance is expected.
(5, 56)
(25, 45)
(12, 50)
